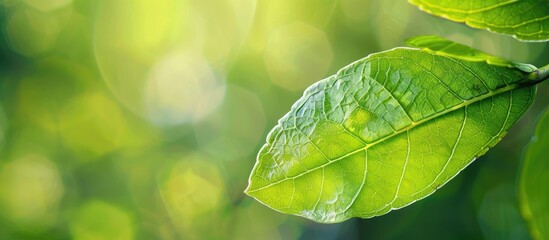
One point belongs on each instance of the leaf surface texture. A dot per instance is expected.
(526, 20)
(384, 132)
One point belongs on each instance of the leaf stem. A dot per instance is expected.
(540, 75)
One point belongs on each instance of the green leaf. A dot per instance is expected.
(452, 49)
(384, 132)
(533, 194)
(526, 20)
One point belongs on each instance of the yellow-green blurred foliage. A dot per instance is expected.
(140, 119)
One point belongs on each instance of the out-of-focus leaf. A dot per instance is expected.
(534, 177)
(526, 20)
(499, 216)
(384, 132)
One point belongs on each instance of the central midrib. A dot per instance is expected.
(489, 94)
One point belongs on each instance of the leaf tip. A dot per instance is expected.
(247, 190)
(250, 190)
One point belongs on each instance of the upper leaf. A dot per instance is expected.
(446, 47)
(384, 132)
(526, 20)
(534, 177)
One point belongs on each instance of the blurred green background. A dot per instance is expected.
(140, 119)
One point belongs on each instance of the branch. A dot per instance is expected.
(540, 74)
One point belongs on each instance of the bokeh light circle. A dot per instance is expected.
(31, 32)
(192, 191)
(166, 60)
(47, 5)
(182, 88)
(297, 55)
(30, 191)
(97, 219)
(236, 129)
